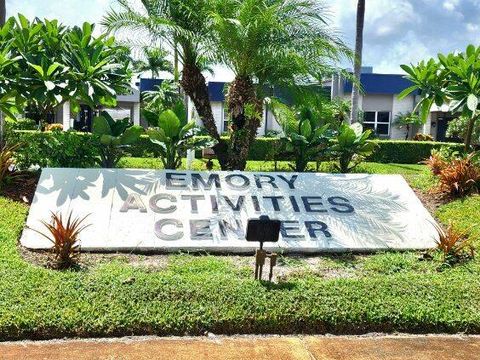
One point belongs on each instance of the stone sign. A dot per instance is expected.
(146, 210)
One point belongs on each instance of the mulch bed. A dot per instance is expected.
(22, 188)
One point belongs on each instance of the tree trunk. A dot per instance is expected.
(358, 59)
(468, 137)
(3, 12)
(245, 121)
(195, 86)
(2, 120)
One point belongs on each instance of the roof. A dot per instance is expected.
(381, 84)
(148, 84)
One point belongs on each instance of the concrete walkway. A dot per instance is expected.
(271, 348)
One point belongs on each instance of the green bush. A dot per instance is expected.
(54, 149)
(407, 152)
(388, 151)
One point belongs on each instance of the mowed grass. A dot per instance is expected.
(348, 294)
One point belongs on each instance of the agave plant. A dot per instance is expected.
(351, 146)
(174, 137)
(64, 235)
(115, 136)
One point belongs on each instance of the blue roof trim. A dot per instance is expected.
(149, 84)
(381, 84)
(216, 91)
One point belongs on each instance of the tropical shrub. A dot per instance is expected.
(453, 79)
(351, 147)
(460, 176)
(174, 137)
(64, 236)
(114, 136)
(7, 164)
(55, 64)
(52, 127)
(305, 138)
(67, 149)
(436, 162)
(457, 129)
(454, 244)
(408, 121)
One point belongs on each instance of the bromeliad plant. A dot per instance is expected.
(7, 164)
(454, 244)
(174, 137)
(114, 136)
(351, 147)
(64, 235)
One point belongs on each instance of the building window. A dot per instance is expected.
(378, 122)
(225, 119)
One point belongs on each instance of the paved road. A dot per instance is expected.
(271, 348)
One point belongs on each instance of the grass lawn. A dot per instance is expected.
(193, 294)
(417, 175)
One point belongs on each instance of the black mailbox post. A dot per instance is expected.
(263, 230)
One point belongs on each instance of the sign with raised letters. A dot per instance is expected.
(147, 210)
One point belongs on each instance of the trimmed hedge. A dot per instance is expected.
(41, 146)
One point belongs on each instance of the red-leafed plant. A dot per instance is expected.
(454, 244)
(64, 236)
(436, 163)
(460, 177)
(7, 164)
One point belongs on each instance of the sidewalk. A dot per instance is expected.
(246, 347)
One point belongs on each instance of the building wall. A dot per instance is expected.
(406, 105)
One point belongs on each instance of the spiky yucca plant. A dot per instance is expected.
(64, 235)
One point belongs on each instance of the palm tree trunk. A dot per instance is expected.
(3, 12)
(358, 59)
(195, 86)
(2, 22)
(245, 122)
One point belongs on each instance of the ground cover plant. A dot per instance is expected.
(185, 294)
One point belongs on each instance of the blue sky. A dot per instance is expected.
(396, 31)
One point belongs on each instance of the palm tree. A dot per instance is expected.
(154, 60)
(358, 59)
(269, 43)
(184, 26)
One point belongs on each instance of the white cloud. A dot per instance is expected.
(450, 5)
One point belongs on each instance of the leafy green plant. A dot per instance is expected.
(351, 147)
(457, 129)
(453, 79)
(114, 136)
(174, 137)
(55, 64)
(408, 121)
(64, 236)
(305, 137)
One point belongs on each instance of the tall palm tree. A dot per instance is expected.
(269, 43)
(184, 26)
(358, 59)
(154, 60)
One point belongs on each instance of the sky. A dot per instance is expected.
(396, 31)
